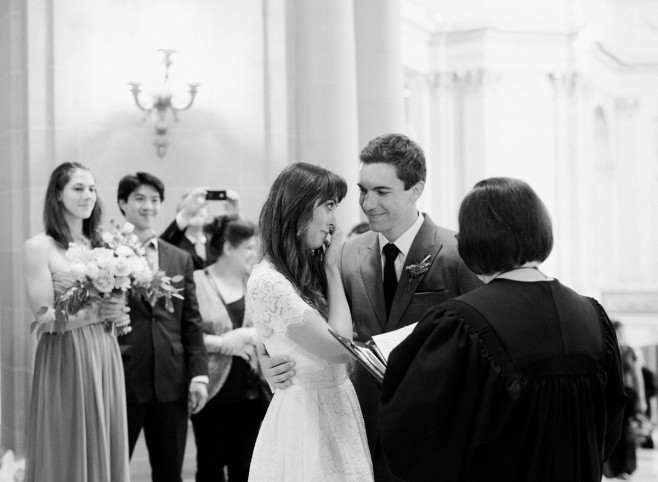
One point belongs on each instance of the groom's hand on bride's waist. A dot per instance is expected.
(277, 370)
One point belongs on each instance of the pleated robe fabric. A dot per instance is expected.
(513, 381)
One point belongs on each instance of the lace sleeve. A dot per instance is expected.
(276, 307)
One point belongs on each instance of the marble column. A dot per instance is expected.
(446, 172)
(323, 92)
(26, 160)
(568, 244)
(379, 71)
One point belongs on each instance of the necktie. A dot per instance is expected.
(151, 254)
(391, 252)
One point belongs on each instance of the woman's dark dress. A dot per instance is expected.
(512, 381)
(225, 430)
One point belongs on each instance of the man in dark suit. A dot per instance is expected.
(186, 230)
(389, 290)
(164, 358)
(424, 267)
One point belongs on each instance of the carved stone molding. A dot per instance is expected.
(442, 80)
(472, 79)
(565, 82)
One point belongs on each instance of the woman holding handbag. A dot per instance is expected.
(226, 429)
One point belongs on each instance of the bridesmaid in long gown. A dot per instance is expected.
(77, 429)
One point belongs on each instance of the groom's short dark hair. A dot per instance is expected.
(128, 184)
(405, 155)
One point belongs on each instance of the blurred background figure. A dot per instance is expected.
(623, 459)
(360, 228)
(193, 212)
(650, 386)
(226, 429)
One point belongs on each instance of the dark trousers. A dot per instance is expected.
(225, 434)
(165, 432)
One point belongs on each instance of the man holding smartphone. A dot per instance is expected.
(186, 230)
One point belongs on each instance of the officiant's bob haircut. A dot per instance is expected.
(502, 225)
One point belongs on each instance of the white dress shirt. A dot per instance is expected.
(403, 243)
(151, 253)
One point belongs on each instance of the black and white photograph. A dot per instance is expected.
(328, 240)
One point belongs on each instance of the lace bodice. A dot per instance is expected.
(290, 326)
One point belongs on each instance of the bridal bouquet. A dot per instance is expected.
(118, 267)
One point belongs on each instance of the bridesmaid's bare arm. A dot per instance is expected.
(36, 271)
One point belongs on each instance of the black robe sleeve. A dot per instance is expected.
(435, 384)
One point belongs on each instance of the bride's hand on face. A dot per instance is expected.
(332, 249)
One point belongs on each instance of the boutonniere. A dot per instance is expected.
(415, 270)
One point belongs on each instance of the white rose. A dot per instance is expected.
(141, 271)
(107, 261)
(104, 282)
(103, 253)
(75, 253)
(127, 228)
(122, 266)
(122, 283)
(91, 270)
(124, 251)
(107, 237)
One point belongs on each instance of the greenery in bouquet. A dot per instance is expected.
(118, 267)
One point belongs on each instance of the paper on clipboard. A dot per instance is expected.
(386, 342)
(363, 355)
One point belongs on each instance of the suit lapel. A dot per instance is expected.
(425, 243)
(370, 263)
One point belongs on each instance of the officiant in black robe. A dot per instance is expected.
(518, 380)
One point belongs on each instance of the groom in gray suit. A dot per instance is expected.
(405, 265)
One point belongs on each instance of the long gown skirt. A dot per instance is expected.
(77, 426)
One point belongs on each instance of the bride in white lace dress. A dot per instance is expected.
(313, 430)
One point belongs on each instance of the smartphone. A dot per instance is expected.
(214, 195)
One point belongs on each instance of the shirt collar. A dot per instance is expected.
(194, 240)
(151, 242)
(405, 240)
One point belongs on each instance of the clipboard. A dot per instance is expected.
(364, 355)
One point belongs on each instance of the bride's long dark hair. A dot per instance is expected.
(284, 219)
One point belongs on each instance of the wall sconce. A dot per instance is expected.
(162, 100)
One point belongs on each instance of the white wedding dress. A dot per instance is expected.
(313, 430)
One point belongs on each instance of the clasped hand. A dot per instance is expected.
(239, 342)
(277, 370)
(114, 309)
